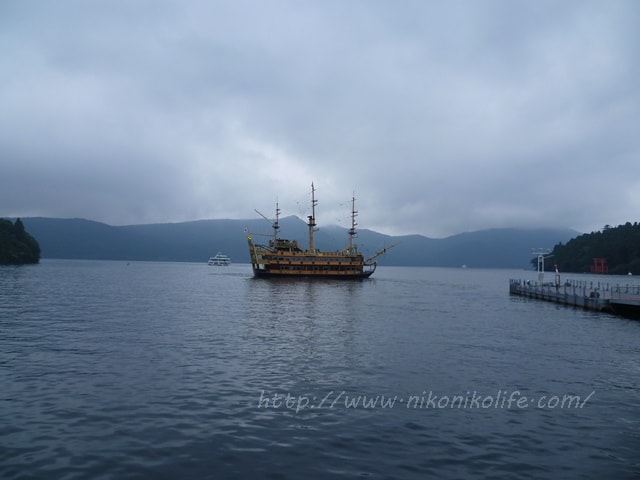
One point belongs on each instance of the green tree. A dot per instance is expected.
(620, 246)
(16, 245)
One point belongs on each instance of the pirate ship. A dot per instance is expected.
(285, 258)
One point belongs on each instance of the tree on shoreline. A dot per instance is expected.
(620, 246)
(17, 247)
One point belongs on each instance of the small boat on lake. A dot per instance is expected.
(286, 259)
(219, 259)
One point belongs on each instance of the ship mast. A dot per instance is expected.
(276, 224)
(312, 219)
(352, 230)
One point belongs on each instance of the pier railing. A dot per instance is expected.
(589, 294)
(585, 288)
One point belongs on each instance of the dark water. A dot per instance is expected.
(161, 370)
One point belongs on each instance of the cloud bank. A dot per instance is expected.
(441, 117)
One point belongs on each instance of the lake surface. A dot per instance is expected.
(177, 370)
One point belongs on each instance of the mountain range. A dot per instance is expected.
(196, 241)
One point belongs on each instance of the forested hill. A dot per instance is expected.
(620, 246)
(17, 247)
(196, 241)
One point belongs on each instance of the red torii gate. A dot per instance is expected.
(599, 266)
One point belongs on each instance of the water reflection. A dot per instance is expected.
(306, 322)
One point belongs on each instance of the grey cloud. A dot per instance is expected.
(442, 116)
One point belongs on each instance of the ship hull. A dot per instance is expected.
(292, 262)
(269, 274)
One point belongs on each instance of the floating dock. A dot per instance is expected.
(598, 296)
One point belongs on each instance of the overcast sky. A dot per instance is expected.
(442, 116)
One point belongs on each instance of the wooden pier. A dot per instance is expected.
(598, 296)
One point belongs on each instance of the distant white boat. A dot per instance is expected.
(219, 259)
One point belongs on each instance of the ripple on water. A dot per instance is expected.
(159, 370)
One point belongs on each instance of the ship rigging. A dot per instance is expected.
(285, 258)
